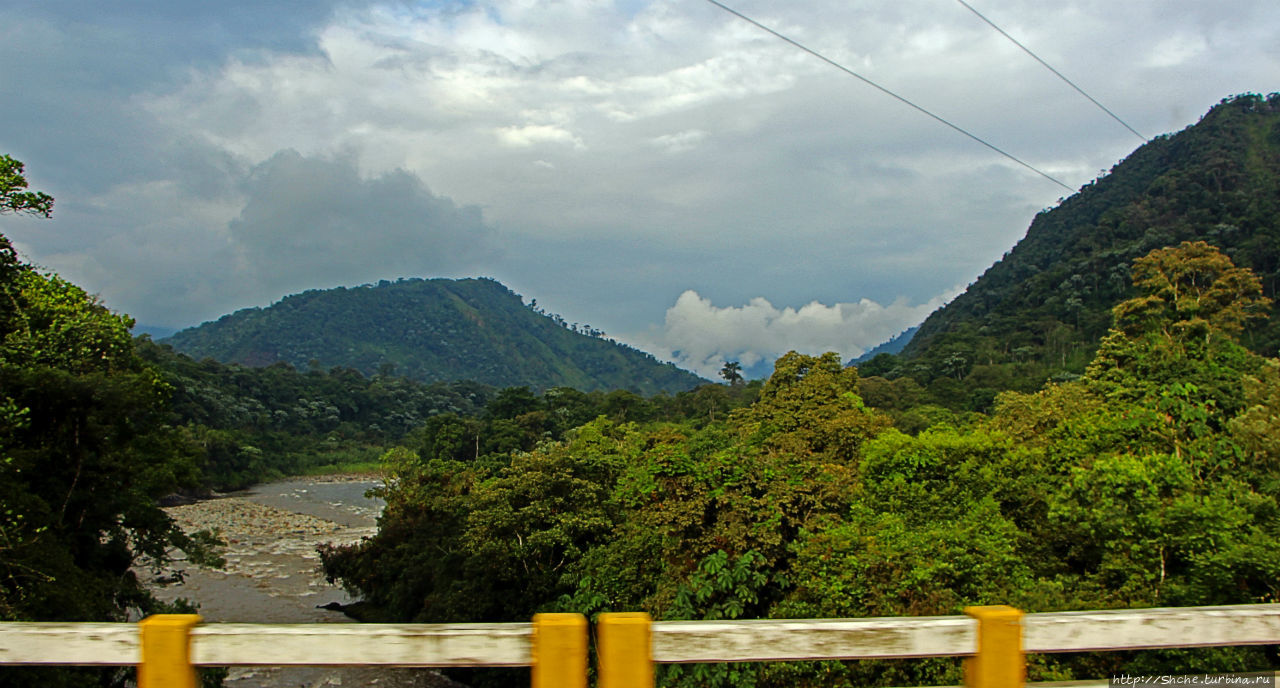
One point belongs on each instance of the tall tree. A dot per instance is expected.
(1191, 290)
(83, 455)
(1182, 328)
(732, 373)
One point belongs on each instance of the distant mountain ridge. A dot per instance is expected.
(895, 345)
(431, 330)
(1039, 312)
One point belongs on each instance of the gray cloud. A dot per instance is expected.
(76, 69)
(312, 222)
(289, 224)
(208, 156)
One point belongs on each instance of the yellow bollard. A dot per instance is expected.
(624, 655)
(559, 651)
(1000, 662)
(166, 651)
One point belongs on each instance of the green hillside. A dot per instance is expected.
(1039, 312)
(431, 330)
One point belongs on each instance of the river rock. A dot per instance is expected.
(272, 572)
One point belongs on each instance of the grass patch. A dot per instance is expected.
(343, 467)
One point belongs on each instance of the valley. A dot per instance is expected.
(1091, 425)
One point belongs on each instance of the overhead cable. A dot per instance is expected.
(886, 91)
(1049, 67)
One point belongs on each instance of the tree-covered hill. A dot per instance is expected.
(239, 425)
(1040, 311)
(431, 330)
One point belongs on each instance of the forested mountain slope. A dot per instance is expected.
(431, 330)
(1040, 311)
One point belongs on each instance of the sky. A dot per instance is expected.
(660, 170)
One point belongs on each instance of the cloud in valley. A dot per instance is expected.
(701, 336)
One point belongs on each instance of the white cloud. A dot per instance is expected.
(701, 336)
(622, 152)
(533, 134)
(680, 142)
(1176, 50)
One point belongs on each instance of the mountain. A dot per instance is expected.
(431, 330)
(1039, 312)
(893, 346)
(153, 331)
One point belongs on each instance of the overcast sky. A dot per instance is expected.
(658, 169)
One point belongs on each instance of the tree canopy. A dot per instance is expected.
(84, 455)
(1149, 481)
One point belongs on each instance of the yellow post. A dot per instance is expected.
(166, 651)
(624, 655)
(559, 651)
(999, 662)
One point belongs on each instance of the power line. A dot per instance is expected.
(1047, 66)
(886, 91)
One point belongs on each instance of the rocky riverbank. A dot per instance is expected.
(273, 572)
(271, 550)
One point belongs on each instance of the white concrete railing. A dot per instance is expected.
(770, 640)
(436, 645)
(555, 645)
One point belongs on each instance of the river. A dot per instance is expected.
(273, 571)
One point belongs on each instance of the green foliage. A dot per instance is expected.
(246, 425)
(432, 331)
(85, 468)
(485, 543)
(1039, 313)
(84, 455)
(427, 506)
(731, 371)
(1190, 293)
(536, 517)
(688, 520)
(810, 406)
(12, 197)
(1256, 430)
(722, 587)
(53, 323)
(1149, 481)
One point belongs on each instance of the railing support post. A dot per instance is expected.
(1000, 662)
(559, 651)
(624, 655)
(166, 651)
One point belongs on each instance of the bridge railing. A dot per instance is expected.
(994, 641)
